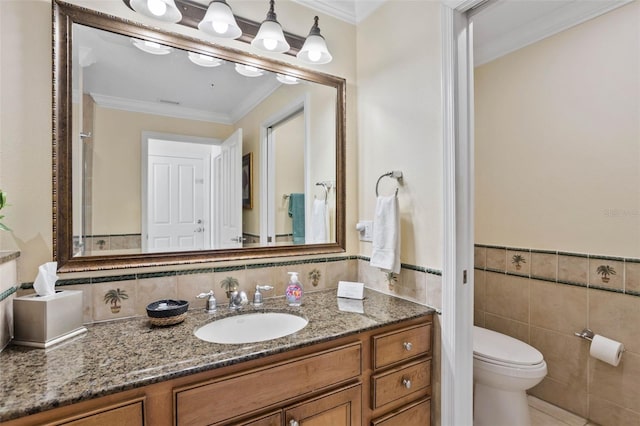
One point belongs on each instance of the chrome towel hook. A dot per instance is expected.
(395, 174)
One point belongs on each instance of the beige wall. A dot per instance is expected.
(117, 162)
(25, 124)
(321, 104)
(25, 131)
(558, 170)
(557, 141)
(399, 122)
(289, 173)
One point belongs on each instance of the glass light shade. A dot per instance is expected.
(248, 70)
(219, 21)
(151, 47)
(314, 50)
(287, 79)
(162, 10)
(270, 38)
(204, 60)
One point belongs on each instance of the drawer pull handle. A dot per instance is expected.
(407, 346)
(406, 383)
(293, 423)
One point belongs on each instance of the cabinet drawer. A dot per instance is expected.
(216, 401)
(396, 346)
(415, 414)
(400, 382)
(125, 414)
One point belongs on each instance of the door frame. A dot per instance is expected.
(144, 168)
(267, 175)
(458, 198)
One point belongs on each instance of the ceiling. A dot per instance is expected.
(500, 26)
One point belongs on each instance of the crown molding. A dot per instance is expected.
(157, 108)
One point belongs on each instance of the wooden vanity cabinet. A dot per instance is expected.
(360, 379)
(400, 392)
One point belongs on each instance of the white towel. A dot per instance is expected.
(386, 235)
(319, 225)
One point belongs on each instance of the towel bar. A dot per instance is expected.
(395, 174)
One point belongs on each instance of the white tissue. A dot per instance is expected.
(46, 280)
(606, 350)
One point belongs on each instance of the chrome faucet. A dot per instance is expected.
(237, 299)
(257, 296)
(212, 304)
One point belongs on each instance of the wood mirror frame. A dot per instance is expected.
(64, 15)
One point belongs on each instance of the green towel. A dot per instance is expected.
(296, 213)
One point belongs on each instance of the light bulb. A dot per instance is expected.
(157, 7)
(250, 68)
(152, 44)
(315, 55)
(270, 43)
(220, 27)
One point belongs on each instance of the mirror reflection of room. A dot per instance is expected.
(157, 167)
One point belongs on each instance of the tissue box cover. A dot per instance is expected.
(41, 321)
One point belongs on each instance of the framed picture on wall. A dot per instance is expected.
(247, 181)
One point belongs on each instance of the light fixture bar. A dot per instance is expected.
(193, 12)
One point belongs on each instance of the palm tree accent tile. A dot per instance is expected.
(604, 271)
(115, 297)
(517, 260)
(229, 285)
(314, 277)
(392, 279)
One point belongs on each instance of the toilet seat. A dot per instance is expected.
(501, 350)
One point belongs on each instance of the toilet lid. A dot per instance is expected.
(490, 345)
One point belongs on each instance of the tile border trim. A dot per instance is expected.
(558, 281)
(248, 266)
(8, 292)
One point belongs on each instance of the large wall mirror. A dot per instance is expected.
(172, 150)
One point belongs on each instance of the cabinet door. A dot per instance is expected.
(339, 408)
(271, 419)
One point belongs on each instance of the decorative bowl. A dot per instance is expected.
(167, 312)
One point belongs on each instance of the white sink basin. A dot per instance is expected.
(250, 328)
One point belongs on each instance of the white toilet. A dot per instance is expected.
(503, 369)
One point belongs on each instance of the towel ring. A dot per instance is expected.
(395, 174)
(326, 190)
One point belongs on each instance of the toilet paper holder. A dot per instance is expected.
(586, 334)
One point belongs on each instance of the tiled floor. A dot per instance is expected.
(545, 414)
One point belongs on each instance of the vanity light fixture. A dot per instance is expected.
(270, 37)
(163, 10)
(248, 70)
(204, 60)
(314, 50)
(151, 47)
(287, 79)
(219, 21)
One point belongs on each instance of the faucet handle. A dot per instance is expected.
(257, 296)
(212, 304)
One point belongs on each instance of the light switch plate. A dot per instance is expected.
(367, 233)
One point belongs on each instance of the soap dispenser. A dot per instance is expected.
(293, 292)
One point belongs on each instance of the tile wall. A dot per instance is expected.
(543, 298)
(8, 281)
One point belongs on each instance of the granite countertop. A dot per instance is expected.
(120, 355)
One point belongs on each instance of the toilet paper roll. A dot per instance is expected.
(606, 350)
